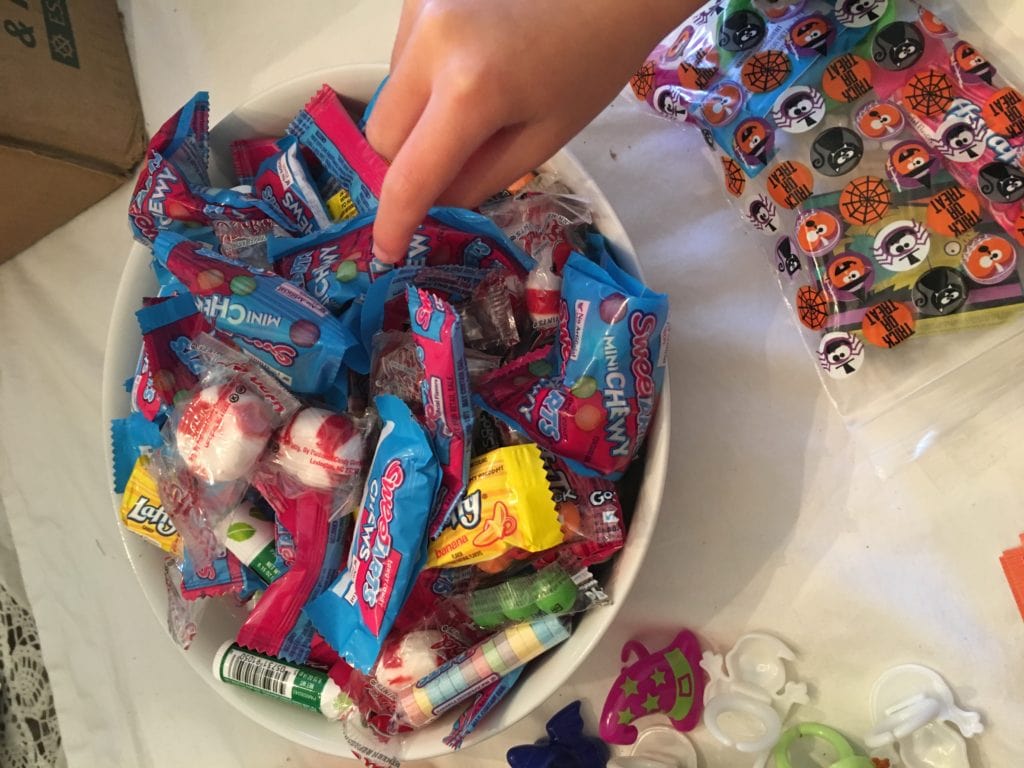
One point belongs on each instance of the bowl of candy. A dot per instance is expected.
(393, 508)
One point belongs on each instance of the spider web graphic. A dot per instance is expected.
(642, 81)
(929, 93)
(735, 180)
(766, 71)
(865, 200)
(812, 307)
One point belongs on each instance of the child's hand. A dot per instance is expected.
(483, 91)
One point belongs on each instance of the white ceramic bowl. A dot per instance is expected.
(267, 115)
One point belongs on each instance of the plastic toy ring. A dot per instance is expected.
(909, 716)
(764, 714)
(847, 757)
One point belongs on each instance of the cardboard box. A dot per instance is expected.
(71, 127)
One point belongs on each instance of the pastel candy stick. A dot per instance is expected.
(478, 668)
(271, 319)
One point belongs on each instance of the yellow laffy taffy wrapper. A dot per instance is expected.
(507, 504)
(143, 513)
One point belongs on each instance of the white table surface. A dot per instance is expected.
(773, 519)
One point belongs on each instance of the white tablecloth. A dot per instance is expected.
(773, 520)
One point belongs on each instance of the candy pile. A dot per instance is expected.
(879, 157)
(407, 471)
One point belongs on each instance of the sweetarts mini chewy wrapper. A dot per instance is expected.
(447, 401)
(357, 612)
(271, 319)
(336, 266)
(590, 397)
(168, 330)
(354, 166)
(286, 187)
(173, 192)
(177, 157)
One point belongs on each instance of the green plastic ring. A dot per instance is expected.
(818, 731)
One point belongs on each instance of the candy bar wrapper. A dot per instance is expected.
(447, 406)
(284, 544)
(144, 399)
(336, 266)
(507, 503)
(143, 513)
(277, 625)
(480, 707)
(285, 185)
(168, 329)
(591, 515)
(131, 438)
(879, 157)
(274, 321)
(478, 668)
(591, 397)
(183, 615)
(326, 128)
(357, 612)
(387, 307)
(221, 577)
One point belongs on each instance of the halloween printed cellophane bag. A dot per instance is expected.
(878, 158)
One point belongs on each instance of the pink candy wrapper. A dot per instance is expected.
(447, 406)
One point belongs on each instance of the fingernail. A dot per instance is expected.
(381, 255)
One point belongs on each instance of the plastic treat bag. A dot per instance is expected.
(878, 158)
(320, 450)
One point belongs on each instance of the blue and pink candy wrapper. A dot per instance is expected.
(268, 317)
(286, 187)
(388, 543)
(447, 400)
(590, 397)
